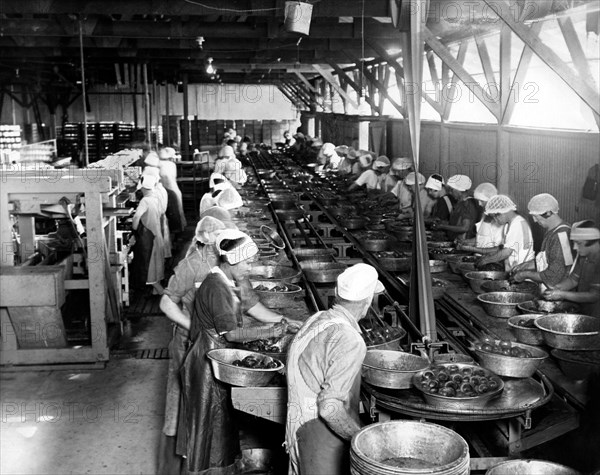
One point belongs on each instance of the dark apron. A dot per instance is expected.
(142, 254)
(211, 441)
(321, 451)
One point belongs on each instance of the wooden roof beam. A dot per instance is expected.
(342, 74)
(462, 74)
(578, 84)
(331, 80)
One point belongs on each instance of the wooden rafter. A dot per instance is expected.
(297, 90)
(447, 104)
(400, 75)
(526, 57)
(331, 80)
(342, 74)
(306, 82)
(287, 94)
(505, 66)
(578, 55)
(385, 76)
(578, 84)
(486, 62)
(370, 78)
(299, 100)
(459, 70)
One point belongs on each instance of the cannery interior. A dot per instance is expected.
(303, 237)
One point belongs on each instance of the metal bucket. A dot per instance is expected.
(297, 17)
(408, 447)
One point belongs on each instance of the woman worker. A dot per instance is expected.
(442, 203)
(489, 232)
(374, 178)
(177, 304)
(210, 437)
(148, 265)
(168, 177)
(394, 182)
(466, 211)
(553, 262)
(517, 240)
(583, 283)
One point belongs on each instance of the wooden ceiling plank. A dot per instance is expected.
(581, 87)
(305, 81)
(459, 70)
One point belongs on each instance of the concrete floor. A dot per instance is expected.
(101, 421)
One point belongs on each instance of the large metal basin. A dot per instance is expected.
(569, 331)
(477, 278)
(502, 304)
(526, 334)
(506, 286)
(276, 299)
(532, 306)
(404, 447)
(223, 369)
(530, 467)
(276, 273)
(511, 366)
(391, 369)
(322, 272)
(320, 254)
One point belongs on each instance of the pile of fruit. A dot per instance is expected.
(502, 347)
(277, 288)
(255, 362)
(452, 381)
(527, 323)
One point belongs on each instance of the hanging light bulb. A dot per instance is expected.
(210, 69)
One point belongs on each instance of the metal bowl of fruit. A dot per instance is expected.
(457, 385)
(276, 294)
(477, 278)
(523, 326)
(502, 304)
(536, 306)
(507, 358)
(243, 368)
(391, 369)
(454, 261)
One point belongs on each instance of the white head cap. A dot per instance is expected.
(166, 153)
(434, 183)
(460, 182)
(484, 191)
(401, 163)
(500, 204)
(579, 233)
(381, 162)
(327, 149)
(357, 283)
(365, 160)
(216, 178)
(235, 246)
(229, 199)
(410, 179)
(151, 171)
(226, 152)
(149, 182)
(152, 160)
(207, 229)
(542, 203)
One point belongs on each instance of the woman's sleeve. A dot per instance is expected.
(220, 307)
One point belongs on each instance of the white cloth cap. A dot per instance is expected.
(214, 177)
(151, 171)
(341, 149)
(460, 182)
(166, 153)
(434, 184)
(584, 234)
(542, 203)
(401, 163)
(484, 192)
(365, 160)
(229, 199)
(381, 162)
(149, 182)
(357, 282)
(152, 160)
(500, 204)
(327, 149)
(226, 151)
(245, 248)
(352, 154)
(207, 229)
(410, 179)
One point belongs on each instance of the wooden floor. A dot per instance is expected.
(143, 304)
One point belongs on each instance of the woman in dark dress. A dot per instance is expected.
(209, 437)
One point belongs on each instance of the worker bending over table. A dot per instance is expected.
(323, 376)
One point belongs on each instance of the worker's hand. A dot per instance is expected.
(519, 268)
(279, 329)
(131, 241)
(481, 263)
(553, 295)
(519, 276)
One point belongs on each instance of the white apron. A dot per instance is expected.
(302, 402)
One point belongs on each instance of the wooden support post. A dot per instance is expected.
(134, 97)
(578, 84)
(185, 135)
(147, 117)
(168, 113)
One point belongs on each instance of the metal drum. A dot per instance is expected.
(408, 448)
